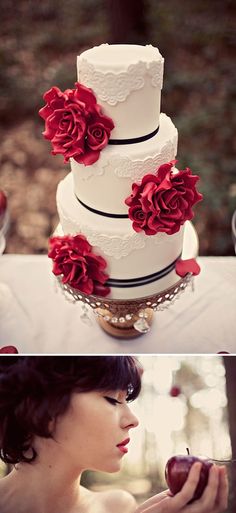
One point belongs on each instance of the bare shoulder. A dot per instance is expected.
(118, 501)
(115, 501)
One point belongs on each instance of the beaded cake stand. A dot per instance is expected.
(127, 318)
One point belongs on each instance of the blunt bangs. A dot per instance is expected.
(35, 390)
(118, 373)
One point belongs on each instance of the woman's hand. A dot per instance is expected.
(213, 500)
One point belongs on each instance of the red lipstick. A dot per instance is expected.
(122, 446)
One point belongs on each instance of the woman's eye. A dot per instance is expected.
(111, 400)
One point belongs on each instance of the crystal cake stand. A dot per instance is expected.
(127, 318)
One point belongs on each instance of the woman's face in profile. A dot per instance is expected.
(92, 429)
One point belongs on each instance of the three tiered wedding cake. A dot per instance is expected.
(124, 208)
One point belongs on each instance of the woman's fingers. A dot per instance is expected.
(153, 501)
(223, 490)
(185, 495)
(215, 496)
(208, 499)
(213, 500)
(175, 503)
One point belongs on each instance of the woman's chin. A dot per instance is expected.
(115, 468)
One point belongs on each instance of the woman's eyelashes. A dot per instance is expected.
(112, 400)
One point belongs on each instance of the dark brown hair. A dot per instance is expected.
(35, 390)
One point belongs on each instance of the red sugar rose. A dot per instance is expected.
(75, 124)
(83, 270)
(163, 202)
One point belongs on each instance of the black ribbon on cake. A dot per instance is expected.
(119, 141)
(144, 280)
(100, 213)
(134, 140)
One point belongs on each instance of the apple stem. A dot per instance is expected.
(188, 452)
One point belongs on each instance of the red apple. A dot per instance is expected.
(177, 470)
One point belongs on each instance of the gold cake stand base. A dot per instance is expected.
(126, 318)
(125, 329)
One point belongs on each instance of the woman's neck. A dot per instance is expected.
(48, 485)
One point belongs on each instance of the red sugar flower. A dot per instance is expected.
(164, 201)
(75, 124)
(73, 259)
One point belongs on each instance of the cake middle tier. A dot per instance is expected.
(106, 184)
(147, 263)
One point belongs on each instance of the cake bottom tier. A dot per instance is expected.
(138, 265)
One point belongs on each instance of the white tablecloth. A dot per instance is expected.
(36, 317)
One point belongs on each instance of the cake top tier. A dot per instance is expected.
(119, 57)
(127, 81)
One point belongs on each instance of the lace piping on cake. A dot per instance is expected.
(135, 169)
(125, 167)
(114, 246)
(116, 87)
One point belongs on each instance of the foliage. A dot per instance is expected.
(39, 44)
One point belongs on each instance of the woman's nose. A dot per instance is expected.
(130, 420)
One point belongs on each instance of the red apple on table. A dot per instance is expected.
(8, 350)
(177, 470)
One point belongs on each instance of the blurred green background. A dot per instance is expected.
(39, 45)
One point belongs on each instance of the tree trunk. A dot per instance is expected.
(127, 19)
(230, 374)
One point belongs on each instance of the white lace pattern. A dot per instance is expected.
(136, 169)
(113, 245)
(124, 167)
(116, 87)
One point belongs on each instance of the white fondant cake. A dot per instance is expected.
(104, 185)
(129, 255)
(127, 82)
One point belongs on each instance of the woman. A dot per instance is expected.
(62, 415)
